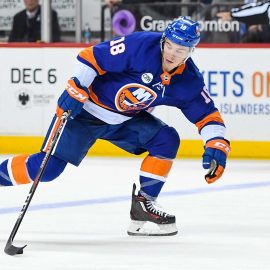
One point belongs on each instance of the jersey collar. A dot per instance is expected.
(166, 76)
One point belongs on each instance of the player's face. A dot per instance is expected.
(173, 55)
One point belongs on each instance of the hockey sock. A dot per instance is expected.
(54, 167)
(4, 178)
(13, 171)
(24, 168)
(153, 174)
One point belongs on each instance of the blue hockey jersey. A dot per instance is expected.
(129, 78)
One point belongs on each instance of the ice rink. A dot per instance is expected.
(79, 221)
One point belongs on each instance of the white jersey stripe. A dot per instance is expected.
(210, 131)
(84, 74)
(153, 176)
(9, 168)
(106, 116)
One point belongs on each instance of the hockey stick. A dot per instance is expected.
(10, 249)
(212, 171)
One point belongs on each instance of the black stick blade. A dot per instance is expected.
(12, 250)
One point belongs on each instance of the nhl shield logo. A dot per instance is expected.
(147, 77)
(134, 97)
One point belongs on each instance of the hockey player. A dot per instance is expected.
(113, 86)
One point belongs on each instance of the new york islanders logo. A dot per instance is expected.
(134, 97)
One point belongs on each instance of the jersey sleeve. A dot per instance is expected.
(84, 74)
(110, 56)
(202, 112)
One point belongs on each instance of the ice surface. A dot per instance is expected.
(79, 221)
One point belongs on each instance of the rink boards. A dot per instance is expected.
(238, 79)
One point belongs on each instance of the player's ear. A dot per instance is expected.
(162, 42)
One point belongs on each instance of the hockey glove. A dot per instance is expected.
(72, 99)
(214, 158)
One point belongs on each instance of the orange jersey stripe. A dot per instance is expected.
(94, 97)
(179, 70)
(215, 116)
(166, 77)
(156, 166)
(19, 170)
(88, 55)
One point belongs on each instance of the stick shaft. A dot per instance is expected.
(37, 180)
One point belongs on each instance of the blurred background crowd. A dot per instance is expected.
(230, 21)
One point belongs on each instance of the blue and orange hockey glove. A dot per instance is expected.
(72, 99)
(214, 158)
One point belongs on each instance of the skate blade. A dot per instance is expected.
(136, 229)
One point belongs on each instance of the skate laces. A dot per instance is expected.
(154, 207)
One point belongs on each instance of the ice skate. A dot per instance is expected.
(143, 213)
